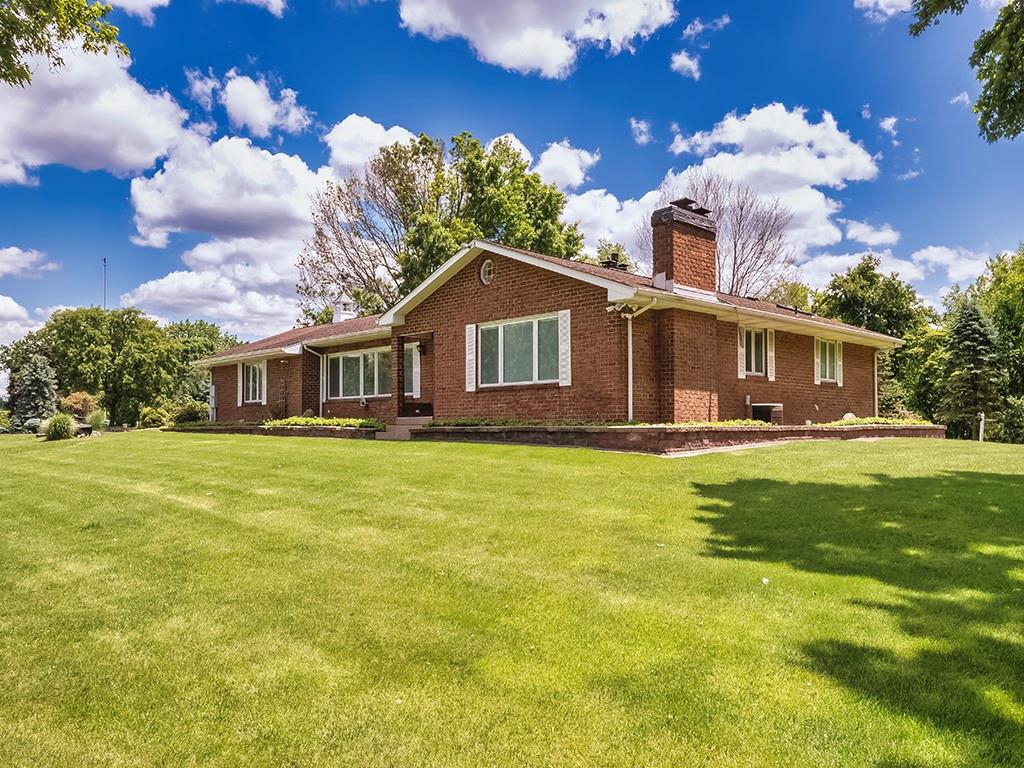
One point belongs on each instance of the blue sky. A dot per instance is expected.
(191, 168)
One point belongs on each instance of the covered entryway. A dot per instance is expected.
(415, 377)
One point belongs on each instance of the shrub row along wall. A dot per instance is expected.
(352, 433)
(670, 439)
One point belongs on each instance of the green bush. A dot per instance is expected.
(190, 412)
(874, 420)
(5, 421)
(316, 421)
(1009, 428)
(97, 419)
(151, 416)
(60, 426)
(79, 404)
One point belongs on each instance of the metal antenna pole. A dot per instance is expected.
(104, 282)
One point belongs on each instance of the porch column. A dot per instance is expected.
(398, 373)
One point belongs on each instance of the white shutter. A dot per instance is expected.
(770, 334)
(741, 339)
(471, 358)
(839, 363)
(239, 383)
(213, 402)
(415, 371)
(817, 362)
(564, 349)
(263, 382)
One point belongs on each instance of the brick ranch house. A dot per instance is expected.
(498, 332)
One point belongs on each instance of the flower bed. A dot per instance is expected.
(297, 426)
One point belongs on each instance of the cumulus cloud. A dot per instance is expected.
(513, 141)
(641, 130)
(16, 321)
(870, 235)
(888, 124)
(535, 36)
(16, 262)
(880, 11)
(355, 139)
(696, 28)
(817, 270)
(686, 64)
(91, 115)
(913, 173)
(202, 87)
(865, 111)
(564, 165)
(228, 188)
(959, 264)
(143, 9)
(250, 105)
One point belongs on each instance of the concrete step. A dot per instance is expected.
(413, 421)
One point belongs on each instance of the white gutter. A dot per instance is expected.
(629, 356)
(321, 358)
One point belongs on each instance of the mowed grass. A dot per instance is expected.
(177, 599)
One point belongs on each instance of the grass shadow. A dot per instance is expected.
(951, 543)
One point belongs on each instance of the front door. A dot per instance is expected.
(419, 376)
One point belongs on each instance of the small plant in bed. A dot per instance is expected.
(60, 426)
(316, 421)
(879, 420)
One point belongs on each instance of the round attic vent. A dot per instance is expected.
(487, 272)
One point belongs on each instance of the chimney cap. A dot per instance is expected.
(687, 211)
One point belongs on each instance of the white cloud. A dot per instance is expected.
(250, 105)
(15, 320)
(602, 216)
(686, 64)
(870, 235)
(818, 270)
(888, 124)
(91, 115)
(515, 143)
(226, 189)
(880, 11)
(355, 139)
(962, 99)
(276, 7)
(865, 111)
(697, 27)
(16, 262)
(641, 130)
(141, 8)
(959, 264)
(913, 173)
(536, 35)
(202, 88)
(564, 165)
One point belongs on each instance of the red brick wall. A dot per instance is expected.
(687, 366)
(284, 383)
(794, 385)
(376, 407)
(598, 389)
(686, 254)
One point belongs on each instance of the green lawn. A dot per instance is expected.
(213, 600)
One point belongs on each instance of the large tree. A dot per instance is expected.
(32, 391)
(754, 254)
(194, 339)
(997, 59)
(1001, 293)
(864, 296)
(48, 27)
(973, 378)
(379, 232)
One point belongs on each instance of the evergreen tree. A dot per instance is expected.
(892, 398)
(973, 378)
(32, 392)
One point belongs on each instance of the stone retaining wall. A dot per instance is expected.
(669, 439)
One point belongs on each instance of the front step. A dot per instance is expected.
(402, 428)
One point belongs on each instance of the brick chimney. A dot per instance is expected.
(684, 246)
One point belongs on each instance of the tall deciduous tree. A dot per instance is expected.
(1001, 293)
(998, 61)
(973, 379)
(753, 249)
(378, 233)
(194, 339)
(45, 28)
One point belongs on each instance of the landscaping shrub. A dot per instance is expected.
(1009, 428)
(190, 412)
(5, 421)
(79, 404)
(30, 426)
(97, 419)
(316, 421)
(151, 416)
(874, 420)
(60, 426)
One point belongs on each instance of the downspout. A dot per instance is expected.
(876, 383)
(629, 355)
(321, 387)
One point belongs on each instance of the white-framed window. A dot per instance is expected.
(754, 349)
(252, 382)
(412, 370)
(487, 271)
(828, 357)
(363, 373)
(522, 351)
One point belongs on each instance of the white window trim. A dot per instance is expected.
(500, 324)
(242, 394)
(412, 388)
(341, 385)
(818, 378)
(764, 348)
